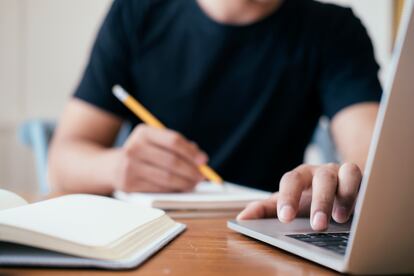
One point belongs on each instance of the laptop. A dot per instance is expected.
(380, 239)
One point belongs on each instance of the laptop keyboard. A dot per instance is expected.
(332, 241)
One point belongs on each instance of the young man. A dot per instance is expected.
(247, 80)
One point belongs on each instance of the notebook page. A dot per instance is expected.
(10, 200)
(204, 192)
(83, 219)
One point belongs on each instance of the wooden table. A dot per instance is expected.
(207, 247)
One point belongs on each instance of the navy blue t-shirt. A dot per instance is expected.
(249, 95)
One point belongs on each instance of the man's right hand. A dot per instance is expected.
(158, 160)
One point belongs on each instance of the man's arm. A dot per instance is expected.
(81, 158)
(352, 130)
(328, 190)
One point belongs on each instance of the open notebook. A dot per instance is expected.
(207, 198)
(81, 231)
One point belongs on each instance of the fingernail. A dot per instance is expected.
(341, 213)
(320, 221)
(286, 213)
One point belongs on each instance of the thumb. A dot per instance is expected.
(259, 209)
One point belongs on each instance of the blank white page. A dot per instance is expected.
(204, 192)
(84, 219)
(10, 200)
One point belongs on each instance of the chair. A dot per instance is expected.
(323, 141)
(37, 134)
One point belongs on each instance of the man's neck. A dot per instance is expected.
(238, 12)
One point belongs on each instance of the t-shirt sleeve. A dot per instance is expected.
(349, 73)
(108, 63)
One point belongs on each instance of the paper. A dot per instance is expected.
(206, 195)
(10, 200)
(76, 218)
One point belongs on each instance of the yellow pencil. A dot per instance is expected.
(149, 119)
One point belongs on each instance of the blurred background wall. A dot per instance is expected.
(44, 45)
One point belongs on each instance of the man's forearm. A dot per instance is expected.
(82, 167)
(352, 130)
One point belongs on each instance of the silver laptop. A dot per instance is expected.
(381, 237)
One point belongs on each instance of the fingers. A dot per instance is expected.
(291, 188)
(160, 156)
(324, 185)
(165, 178)
(349, 177)
(325, 191)
(159, 179)
(174, 142)
(170, 162)
(267, 208)
(259, 209)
